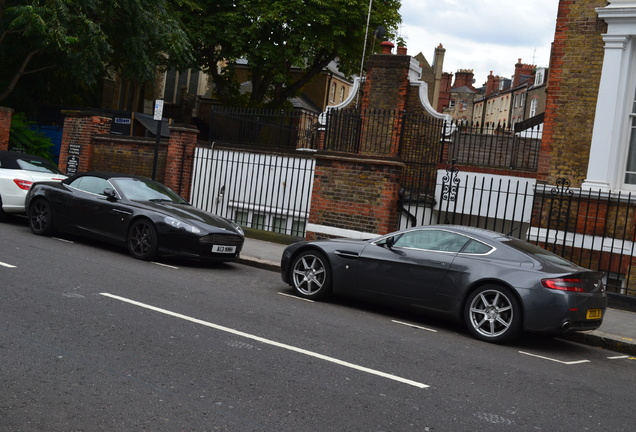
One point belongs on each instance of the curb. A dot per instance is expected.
(259, 263)
(603, 340)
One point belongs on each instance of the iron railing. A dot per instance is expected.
(267, 128)
(590, 228)
(495, 147)
(265, 191)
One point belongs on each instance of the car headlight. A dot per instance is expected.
(178, 224)
(237, 227)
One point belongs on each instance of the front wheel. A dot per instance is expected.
(492, 314)
(41, 217)
(142, 240)
(311, 275)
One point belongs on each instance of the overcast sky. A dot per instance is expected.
(482, 35)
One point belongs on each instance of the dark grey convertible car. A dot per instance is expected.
(497, 285)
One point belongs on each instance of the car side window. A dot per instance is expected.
(95, 185)
(477, 247)
(434, 240)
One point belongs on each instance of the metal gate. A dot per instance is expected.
(260, 190)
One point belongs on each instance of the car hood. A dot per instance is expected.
(188, 213)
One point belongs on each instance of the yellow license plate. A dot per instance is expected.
(593, 314)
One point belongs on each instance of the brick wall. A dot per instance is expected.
(575, 71)
(88, 146)
(77, 140)
(355, 194)
(133, 155)
(5, 127)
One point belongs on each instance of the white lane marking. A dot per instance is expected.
(296, 297)
(414, 326)
(555, 360)
(63, 240)
(165, 265)
(269, 342)
(3, 264)
(618, 357)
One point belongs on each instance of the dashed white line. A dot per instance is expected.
(165, 265)
(414, 326)
(270, 342)
(618, 357)
(3, 264)
(555, 360)
(63, 240)
(296, 297)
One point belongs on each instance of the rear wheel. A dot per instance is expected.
(41, 217)
(492, 314)
(3, 215)
(142, 240)
(311, 275)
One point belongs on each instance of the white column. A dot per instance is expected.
(607, 142)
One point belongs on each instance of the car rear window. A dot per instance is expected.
(37, 165)
(536, 251)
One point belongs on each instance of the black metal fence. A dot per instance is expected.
(260, 190)
(267, 128)
(594, 229)
(495, 147)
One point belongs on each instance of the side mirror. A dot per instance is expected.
(110, 194)
(389, 242)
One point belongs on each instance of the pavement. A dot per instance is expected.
(617, 333)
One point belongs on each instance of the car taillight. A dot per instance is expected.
(23, 184)
(564, 284)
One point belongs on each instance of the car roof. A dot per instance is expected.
(105, 175)
(9, 159)
(477, 232)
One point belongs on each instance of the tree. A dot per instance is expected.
(81, 41)
(276, 37)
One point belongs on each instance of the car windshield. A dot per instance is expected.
(136, 189)
(37, 165)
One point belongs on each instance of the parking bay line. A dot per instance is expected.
(555, 360)
(269, 342)
(7, 265)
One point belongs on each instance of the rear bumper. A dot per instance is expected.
(567, 312)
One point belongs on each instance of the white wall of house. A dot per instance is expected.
(611, 160)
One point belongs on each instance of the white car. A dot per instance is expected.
(18, 171)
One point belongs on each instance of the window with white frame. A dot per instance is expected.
(539, 77)
(533, 106)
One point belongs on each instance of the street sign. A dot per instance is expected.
(158, 109)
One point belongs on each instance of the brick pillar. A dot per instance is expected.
(386, 88)
(5, 127)
(76, 152)
(180, 157)
(355, 194)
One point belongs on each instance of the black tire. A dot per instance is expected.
(311, 275)
(492, 313)
(3, 215)
(142, 240)
(41, 217)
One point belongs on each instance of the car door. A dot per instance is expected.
(94, 214)
(410, 265)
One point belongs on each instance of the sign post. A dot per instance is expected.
(158, 116)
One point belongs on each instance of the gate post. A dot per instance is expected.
(354, 197)
(181, 147)
(76, 151)
(5, 127)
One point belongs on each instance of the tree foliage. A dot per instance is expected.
(23, 138)
(81, 41)
(285, 42)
